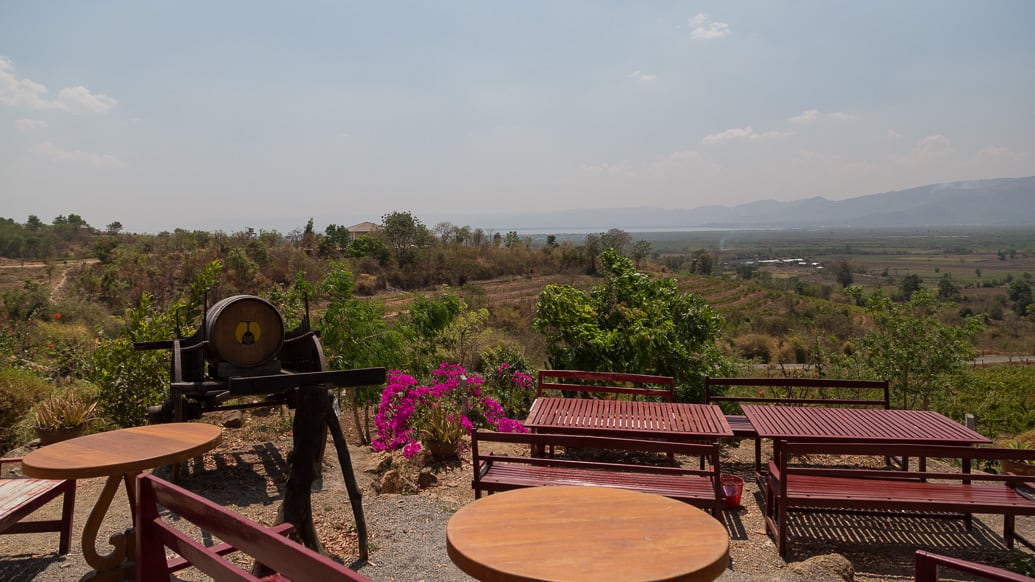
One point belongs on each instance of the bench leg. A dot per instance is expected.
(1008, 527)
(781, 521)
(67, 511)
(758, 455)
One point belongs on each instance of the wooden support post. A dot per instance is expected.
(355, 495)
(314, 415)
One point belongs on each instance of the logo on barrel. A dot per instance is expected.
(247, 332)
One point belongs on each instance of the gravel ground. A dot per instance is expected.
(407, 531)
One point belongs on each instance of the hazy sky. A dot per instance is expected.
(230, 114)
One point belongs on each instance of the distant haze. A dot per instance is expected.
(981, 203)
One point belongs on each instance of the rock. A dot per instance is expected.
(378, 463)
(234, 420)
(391, 482)
(831, 567)
(426, 478)
(262, 411)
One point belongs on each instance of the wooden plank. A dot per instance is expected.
(678, 420)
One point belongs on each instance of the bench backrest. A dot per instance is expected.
(153, 534)
(798, 391)
(662, 387)
(790, 450)
(928, 564)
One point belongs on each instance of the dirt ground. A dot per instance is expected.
(248, 471)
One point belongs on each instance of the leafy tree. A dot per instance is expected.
(616, 239)
(462, 339)
(25, 303)
(947, 290)
(701, 262)
(917, 353)
(640, 251)
(593, 246)
(335, 240)
(427, 320)
(403, 235)
(844, 273)
(105, 248)
(512, 240)
(910, 284)
(369, 246)
(1019, 292)
(355, 335)
(745, 271)
(631, 323)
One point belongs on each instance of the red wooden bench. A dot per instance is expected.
(794, 487)
(21, 497)
(500, 472)
(791, 392)
(286, 559)
(929, 564)
(606, 383)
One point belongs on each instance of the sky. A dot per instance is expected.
(251, 114)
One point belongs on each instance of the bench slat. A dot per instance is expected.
(492, 472)
(697, 490)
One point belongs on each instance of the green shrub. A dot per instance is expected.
(131, 381)
(64, 350)
(19, 391)
(755, 346)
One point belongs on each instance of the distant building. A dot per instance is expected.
(358, 230)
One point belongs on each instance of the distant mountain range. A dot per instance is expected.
(977, 203)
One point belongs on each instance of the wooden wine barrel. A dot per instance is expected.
(244, 330)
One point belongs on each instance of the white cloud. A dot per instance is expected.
(30, 125)
(704, 29)
(841, 116)
(894, 134)
(79, 98)
(934, 145)
(807, 116)
(15, 92)
(52, 152)
(742, 133)
(999, 153)
(813, 115)
(641, 77)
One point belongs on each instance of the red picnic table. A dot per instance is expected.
(671, 420)
(875, 425)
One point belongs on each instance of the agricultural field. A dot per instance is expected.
(972, 258)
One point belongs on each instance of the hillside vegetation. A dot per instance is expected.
(410, 296)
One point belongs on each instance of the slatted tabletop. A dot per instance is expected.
(627, 418)
(857, 424)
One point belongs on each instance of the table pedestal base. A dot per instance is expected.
(117, 564)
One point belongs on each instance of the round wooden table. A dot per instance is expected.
(585, 533)
(118, 455)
